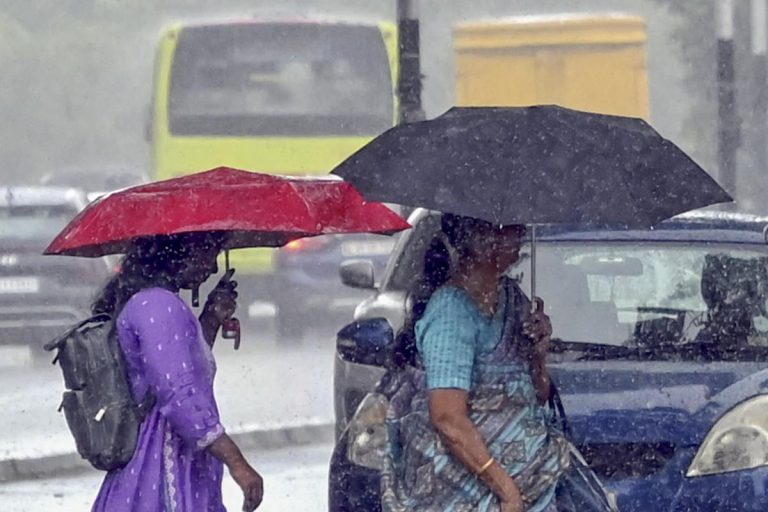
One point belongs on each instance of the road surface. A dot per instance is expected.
(295, 479)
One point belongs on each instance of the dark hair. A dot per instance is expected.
(436, 272)
(150, 263)
(460, 233)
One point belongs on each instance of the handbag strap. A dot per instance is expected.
(558, 410)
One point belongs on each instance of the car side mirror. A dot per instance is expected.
(357, 274)
(366, 342)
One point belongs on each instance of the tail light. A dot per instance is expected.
(306, 244)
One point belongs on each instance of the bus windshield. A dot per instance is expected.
(279, 79)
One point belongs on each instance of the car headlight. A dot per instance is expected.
(367, 439)
(738, 441)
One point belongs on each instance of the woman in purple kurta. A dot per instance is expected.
(182, 446)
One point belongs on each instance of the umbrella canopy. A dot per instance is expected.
(245, 209)
(533, 165)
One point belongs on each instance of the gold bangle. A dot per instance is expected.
(485, 466)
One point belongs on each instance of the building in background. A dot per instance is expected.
(595, 63)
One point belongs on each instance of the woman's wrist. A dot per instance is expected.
(208, 320)
(485, 467)
(228, 452)
(502, 485)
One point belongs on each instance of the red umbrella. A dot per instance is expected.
(248, 209)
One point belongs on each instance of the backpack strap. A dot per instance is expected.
(59, 340)
(148, 402)
(558, 410)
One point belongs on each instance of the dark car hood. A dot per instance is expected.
(647, 402)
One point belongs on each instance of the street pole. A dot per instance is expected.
(409, 76)
(759, 27)
(728, 125)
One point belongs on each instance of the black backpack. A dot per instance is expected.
(98, 405)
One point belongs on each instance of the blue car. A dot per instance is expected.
(660, 356)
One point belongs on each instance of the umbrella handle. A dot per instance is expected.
(230, 328)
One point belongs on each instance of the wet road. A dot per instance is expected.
(295, 479)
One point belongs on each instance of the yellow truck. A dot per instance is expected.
(586, 62)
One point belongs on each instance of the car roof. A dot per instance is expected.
(705, 227)
(697, 226)
(41, 196)
(317, 19)
(93, 178)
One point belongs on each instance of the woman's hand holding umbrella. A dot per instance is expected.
(219, 306)
(538, 327)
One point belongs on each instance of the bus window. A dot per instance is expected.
(272, 79)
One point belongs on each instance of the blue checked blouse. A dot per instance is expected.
(452, 332)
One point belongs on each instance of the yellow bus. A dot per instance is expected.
(274, 96)
(594, 62)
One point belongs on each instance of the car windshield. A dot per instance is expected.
(281, 79)
(645, 295)
(34, 222)
(619, 299)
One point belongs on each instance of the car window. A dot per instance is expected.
(34, 222)
(645, 295)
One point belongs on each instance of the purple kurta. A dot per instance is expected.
(171, 470)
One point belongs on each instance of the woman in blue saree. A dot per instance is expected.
(469, 426)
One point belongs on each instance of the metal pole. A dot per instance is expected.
(533, 265)
(409, 75)
(759, 27)
(728, 125)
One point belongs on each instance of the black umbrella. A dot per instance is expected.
(533, 165)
